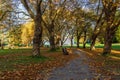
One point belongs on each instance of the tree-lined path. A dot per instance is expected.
(80, 69)
(34, 33)
(77, 69)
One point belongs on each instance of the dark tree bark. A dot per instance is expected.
(108, 41)
(57, 42)
(50, 29)
(61, 43)
(109, 35)
(85, 38)
(78, 39)
(71, 40)
(37, 39)
(96, 31)
(52, 42)
(37, 17)
(79, 33)
(52, 37)
(110, 9)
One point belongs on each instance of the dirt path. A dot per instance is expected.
(77, 69)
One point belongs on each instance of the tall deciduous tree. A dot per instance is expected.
(54, 10)
(110, 8)
(34, 8)
(97, 30)
(5, 8)
(14, 39)
(98, 25)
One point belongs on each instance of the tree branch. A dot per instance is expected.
(24, 2)
(4, 14)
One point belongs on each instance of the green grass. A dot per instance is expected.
(14, 51)
(10, 64)
(11, 57)
(114, 46)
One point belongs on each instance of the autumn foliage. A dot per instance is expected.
(35, 71)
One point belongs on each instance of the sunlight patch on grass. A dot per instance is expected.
(114, 51)
(114, 57)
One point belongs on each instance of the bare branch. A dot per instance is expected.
(4, 14)
(24, 2)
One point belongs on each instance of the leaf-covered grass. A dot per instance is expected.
(10, 64)
(109, 65)
(20, 65)
(9, 58)
(116, 55)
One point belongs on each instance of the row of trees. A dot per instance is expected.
(59, 19)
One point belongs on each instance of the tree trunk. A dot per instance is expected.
(72, 41)
(52, 37)
(92, 46)
(108, 41)
(78, 39)
(61, 43)
(110, 9)
(37, 39)
(97, 30)
(95, 34)
(52, 42)
(37, 17)
(85, 38)
(57, 42)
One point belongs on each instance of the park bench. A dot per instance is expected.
(65, 52)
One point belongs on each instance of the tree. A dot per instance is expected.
(14, 39)
(110, 9)
(98, 25)
(54, 10)
(97, 30)
(5, 8)
(35, 10)
(79, 23)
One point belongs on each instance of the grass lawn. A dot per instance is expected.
(14, 51)
(115, 46)
(9, 58)
(109, 65)
(17, 64)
